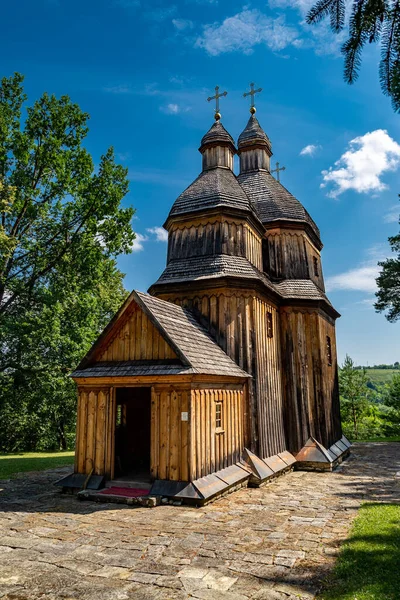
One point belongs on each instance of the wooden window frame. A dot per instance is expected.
(270, 324)
(316, 266)
(329, 350)
(219, 408)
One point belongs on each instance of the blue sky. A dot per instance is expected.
(143, 72)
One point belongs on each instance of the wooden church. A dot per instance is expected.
(225, 373)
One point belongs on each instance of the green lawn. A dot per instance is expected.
(368, 567)
(33, 461)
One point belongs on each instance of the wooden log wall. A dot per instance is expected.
(211, 448)
(311, 397)
(290, 254)
(169, 433)
(213, 237)
(136, 339)
(95, 431)
(237, 321)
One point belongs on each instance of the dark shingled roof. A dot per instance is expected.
(217, 133)
(301, 289)
(253, 134)
(131, 369)
(197, 351)
(206, 267)
(272, 201)
(212, 188)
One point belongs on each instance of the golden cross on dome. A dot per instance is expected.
(217, 96)
(278, 168)
(252, 93)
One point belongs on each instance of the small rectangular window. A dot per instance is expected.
(270, 328)
(329, 350)
(316, 271)
(218, 415)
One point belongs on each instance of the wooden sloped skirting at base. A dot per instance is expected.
(315, 457)
(250, 471)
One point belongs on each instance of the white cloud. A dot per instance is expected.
(392, 216)
(361, 278)
(182, 24)
(309, 150)
(137, 245)
(159, 232)
(245, 30)
(170, 109)
(318, 36)
(361, 166)
(118, 89)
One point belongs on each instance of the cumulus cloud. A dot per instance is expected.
(309, 150)
(361, 278)
(368, 157)
(159, 232)
(137, 245)
(245, 30)
(182, 24)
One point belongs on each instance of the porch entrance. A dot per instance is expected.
(132, 434)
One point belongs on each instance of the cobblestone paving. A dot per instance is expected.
(273, 543)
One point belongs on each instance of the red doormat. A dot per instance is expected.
(128, 492)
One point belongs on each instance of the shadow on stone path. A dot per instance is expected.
(273, 543)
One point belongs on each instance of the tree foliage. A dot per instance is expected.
(354, 394)
(61, 228)
(371, 21)
(388, 293)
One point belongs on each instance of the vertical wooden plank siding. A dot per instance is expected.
(94, 431)
(237, 320)
(136, 339)
(169, 434)
(211, 449)
(311, 397)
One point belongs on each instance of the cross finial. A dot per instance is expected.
(217, 96)
(252, 93)
(277, 170)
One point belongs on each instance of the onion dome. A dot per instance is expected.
(217, 134)
(253, 134)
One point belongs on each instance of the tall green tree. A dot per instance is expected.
(61, 228)
(353, 394)
(389, 283)
(393, 393)
(371, 21)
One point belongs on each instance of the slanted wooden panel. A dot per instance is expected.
(212, 449)
(94, 434)
(135, 338)
(169, 433)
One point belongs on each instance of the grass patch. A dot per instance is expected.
(381, 376)
(368, 567)
(10, 464)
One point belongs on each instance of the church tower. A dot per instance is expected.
(225, 374)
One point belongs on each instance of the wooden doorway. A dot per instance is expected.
(132, 434)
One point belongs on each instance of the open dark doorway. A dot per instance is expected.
(132, 434)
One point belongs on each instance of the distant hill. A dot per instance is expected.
(381, 376)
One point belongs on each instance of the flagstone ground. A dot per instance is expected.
(273, 543)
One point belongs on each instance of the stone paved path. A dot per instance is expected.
(274, 543)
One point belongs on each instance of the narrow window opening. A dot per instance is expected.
(329, 350)
(270, 327)
(218, 416)
(316, 271)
